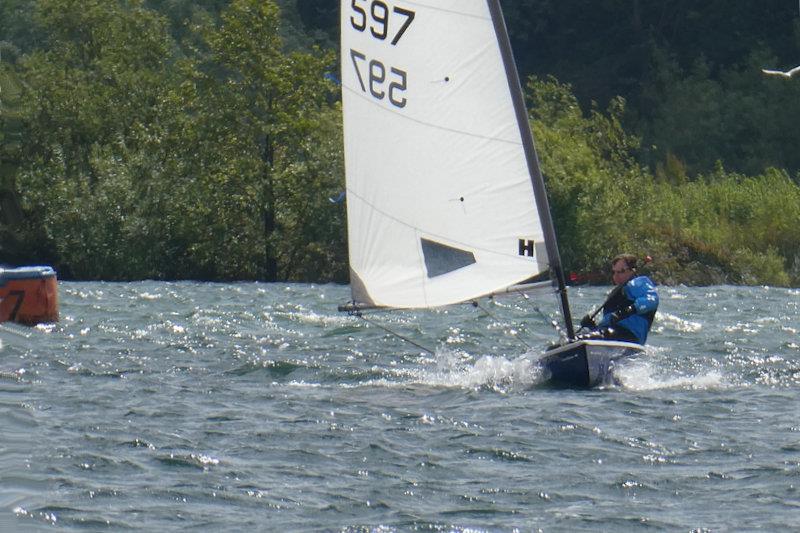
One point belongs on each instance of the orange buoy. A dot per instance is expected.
(28, 295)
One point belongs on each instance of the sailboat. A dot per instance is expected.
(446, 202)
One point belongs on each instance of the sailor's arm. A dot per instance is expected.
(643, 293)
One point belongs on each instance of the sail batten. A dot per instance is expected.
(440, 202)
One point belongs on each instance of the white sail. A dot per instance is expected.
(440, 205)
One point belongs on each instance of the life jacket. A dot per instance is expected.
(641, 293)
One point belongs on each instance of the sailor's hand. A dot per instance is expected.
(621, 314)
(587, 322)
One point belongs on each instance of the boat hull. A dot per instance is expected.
(586, 363)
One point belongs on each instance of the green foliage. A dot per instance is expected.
(10, 127)
(745, 223)
(140, 164)
(174, 139)
(311, 242)
(720, 228)
(591, 177)
(90, 103)
(261, 105)
(16, 31)
(740, 115)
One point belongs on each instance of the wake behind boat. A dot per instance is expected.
(446, 202)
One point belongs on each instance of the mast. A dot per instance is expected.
(540, 193)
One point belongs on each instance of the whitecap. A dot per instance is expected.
(312, 318)
(644, 375)
(458, 369)
(149, 296)
(678, 324)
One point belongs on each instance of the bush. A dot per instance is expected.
(716, 228)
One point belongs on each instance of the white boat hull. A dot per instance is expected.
(586, 363)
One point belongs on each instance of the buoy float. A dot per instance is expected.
(28, 295)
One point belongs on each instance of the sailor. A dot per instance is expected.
(631, 307)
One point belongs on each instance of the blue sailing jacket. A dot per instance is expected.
(641, 293)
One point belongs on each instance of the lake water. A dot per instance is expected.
(258, 407)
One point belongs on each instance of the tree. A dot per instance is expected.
(262, 104)
(90, 100)
(592, 178)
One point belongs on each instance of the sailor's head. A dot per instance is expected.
(623, 268)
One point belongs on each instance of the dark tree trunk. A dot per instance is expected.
(270, 259)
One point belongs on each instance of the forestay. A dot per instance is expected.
(440, 204)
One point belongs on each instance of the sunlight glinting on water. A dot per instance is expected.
(257, 404)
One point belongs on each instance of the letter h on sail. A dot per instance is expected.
(526, 247)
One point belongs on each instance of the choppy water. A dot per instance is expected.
(255, 407)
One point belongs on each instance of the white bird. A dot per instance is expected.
(787, 74)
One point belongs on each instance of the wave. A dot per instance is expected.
(645, 375)
(455, 368)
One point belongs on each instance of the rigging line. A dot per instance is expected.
(552, 322)
(477, 304)
(387, 330)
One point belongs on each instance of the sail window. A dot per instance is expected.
(441, 259)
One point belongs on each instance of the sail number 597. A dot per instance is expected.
(379, 18)
(373, 77)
